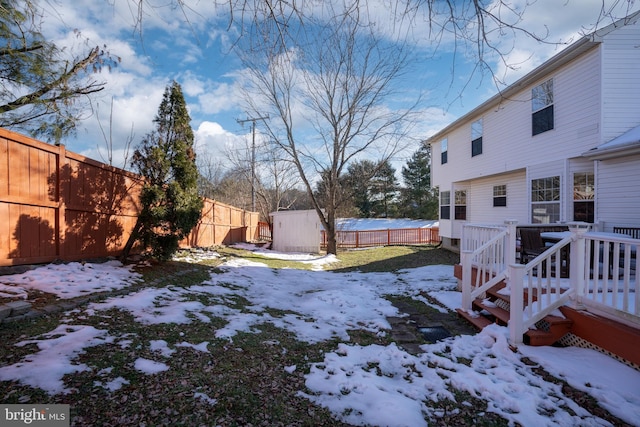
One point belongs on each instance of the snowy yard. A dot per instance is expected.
(359, 384)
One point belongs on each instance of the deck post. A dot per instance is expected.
(515, 281)
(510, 248)
(578, 271)
(465, 260)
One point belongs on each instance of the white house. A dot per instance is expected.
(561, 144)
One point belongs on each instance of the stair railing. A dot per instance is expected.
(490, 249)
(546, 289)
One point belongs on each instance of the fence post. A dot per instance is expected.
(577, 269)
(515, 282)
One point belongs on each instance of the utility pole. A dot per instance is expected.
(253, 155)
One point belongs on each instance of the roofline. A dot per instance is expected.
(621, 150)
(584, 44)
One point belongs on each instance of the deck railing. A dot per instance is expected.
(538, 288)
(594, 271)
(610, 281)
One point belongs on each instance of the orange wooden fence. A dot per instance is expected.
(400, 236)
(55, 204)
(223, 224)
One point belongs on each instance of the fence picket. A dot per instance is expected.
(354, 239)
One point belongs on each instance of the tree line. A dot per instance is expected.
(368, 189)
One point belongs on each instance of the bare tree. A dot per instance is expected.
(326, 99)
(278, 180)
(210, 175)
(108, 140)
(273, 177)
(475, 31)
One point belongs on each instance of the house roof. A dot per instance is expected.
(574, 50)
(624, 145)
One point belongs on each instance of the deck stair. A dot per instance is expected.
(494, 308)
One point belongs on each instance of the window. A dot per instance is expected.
(445, 205)
(583, 195)
(461, 204)
(545, 200)
(499, 195)
(443, 151)
(542, 107)
(476, 138)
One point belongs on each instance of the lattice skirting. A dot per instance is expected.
(571, 340)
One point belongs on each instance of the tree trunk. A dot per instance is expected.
(332, 244)
(133, 237)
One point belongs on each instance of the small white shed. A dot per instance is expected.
(296, 231)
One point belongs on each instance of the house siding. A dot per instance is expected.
(480, 207)
(596, 97)
(507, 141)
(618, 192)
(621, 68)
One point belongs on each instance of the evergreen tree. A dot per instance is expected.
(383, 190)
(343, 200)
(419, 201)
(358, 181)
(171, 206)
(372, 188)
(42, 90)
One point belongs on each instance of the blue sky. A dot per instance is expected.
(192, 46)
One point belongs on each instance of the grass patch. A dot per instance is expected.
(392, 258)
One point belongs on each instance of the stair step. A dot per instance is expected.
(476, 319)
(558, 328)
(557, 320)
(501, 315)
(495, 294)
(536, 337)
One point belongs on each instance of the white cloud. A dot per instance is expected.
(213, 142)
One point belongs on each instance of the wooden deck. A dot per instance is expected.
(610, 336)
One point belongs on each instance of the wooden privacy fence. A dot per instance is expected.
(55, 204)
(400, 236)
(223, 224)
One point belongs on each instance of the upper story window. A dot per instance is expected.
(545, 200)
(542, 107)
(583, 197)
(476, 138)
(443, 151)
(445, 205)
(461, 204)
(499, 195)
